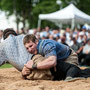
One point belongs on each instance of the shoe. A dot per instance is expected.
(70, 79)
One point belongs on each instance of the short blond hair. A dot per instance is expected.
(28, 38)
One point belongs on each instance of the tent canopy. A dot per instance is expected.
(68, 15)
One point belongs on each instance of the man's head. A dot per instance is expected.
(30, 43)
(84, 28)
(7, 32)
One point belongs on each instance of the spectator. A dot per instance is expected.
(1, 36)
(22, 31)
(86, 53)
(80, 38)
(75, 45)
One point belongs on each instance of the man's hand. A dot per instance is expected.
(26, 71)
(87, 52)
(29, 64)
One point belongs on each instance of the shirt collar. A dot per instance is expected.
(38, 46)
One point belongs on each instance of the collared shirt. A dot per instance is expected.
(52, 48)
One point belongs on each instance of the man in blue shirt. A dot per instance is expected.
(60, 59)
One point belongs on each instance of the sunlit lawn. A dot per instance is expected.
(7, 65)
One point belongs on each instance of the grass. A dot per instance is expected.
(7, 65)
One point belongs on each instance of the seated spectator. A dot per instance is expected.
(75, 45)
(86, 53)
(51, 37)
(22, 31)
(80, 38)
(63, 40)
(79, 52)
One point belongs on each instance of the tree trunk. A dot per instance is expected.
(24, 24)
(17, 23)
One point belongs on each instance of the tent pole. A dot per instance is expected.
(72, 24)
(61, 25)
(39, 23)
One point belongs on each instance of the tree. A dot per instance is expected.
(84, 6)
(44, 7)
(25, 11)
(21, 9)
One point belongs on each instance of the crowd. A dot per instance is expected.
(78, 40)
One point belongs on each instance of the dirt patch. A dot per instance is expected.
(10, 79)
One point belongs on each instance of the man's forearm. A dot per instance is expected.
(47, 63)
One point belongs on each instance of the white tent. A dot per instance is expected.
(69, 15)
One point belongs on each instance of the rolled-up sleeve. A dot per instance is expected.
(49, 50)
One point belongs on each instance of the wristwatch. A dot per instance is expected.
(34, 66)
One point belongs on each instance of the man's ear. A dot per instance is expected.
(36, 41)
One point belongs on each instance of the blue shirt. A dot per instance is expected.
(52, 48)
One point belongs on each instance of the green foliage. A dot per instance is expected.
(21, 8)
(84, 6)
(44, 7)
(7, 6)
(25, 11)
